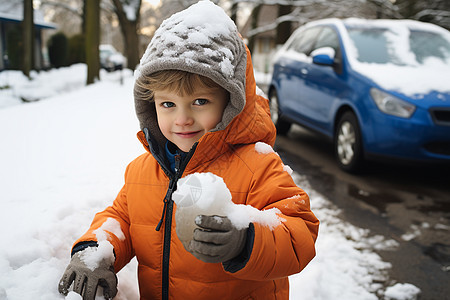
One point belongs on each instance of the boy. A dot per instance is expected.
(196, 101)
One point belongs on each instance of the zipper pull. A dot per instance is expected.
(158, 227)
(177, 163)
(167, 198)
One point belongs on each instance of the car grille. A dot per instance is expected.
(442, 148)
(440, 116)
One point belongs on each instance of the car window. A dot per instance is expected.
(304, 42)
(328, 38)
(382, 46)
(371, 44)
(428, 44)
(297, 35)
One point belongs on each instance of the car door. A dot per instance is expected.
(324, 86)
(292, 69)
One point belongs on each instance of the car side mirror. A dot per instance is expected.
(323, 56)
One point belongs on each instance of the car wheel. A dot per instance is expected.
(281, 125)
(347, 143)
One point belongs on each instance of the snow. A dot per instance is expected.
(207, 194)
(402, 291)
(42, 85)
(13, 10)
(92, 256)
(63, 159)
(131, 8)
(263, 148)
(198, 28)
(409, 76)
(73, 296)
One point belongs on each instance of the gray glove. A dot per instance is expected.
(217, 240)
(85, 281)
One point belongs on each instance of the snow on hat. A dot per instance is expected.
(203, 40)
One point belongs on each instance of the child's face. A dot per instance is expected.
(183, 120)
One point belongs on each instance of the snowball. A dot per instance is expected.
(207, 194)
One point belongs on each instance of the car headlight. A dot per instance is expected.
(392, 105)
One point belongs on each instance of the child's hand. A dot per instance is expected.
(85, 281)
(217, 240)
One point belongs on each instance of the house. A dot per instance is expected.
(11, 16)
(263, 31)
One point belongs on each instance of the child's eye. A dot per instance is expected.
(167, 104)
(201, 101)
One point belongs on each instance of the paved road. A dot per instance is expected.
(410, 204)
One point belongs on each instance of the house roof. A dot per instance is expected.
(12, 11)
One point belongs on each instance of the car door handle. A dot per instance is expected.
(304, 71)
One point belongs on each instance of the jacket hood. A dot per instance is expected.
(202, 39)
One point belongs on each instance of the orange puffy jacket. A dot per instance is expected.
(166, 270)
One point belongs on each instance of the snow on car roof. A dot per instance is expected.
(411, 78)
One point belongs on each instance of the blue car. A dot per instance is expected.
(377, 88)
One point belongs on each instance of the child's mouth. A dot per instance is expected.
(187, 134)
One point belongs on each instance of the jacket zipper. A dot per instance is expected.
(168, 204)
(167, 217)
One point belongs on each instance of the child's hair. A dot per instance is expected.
(181, 82)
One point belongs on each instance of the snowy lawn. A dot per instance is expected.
(62, 159)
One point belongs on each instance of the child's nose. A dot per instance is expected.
(184, 118)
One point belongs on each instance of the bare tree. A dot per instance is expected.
(302, 11)
(128, 13)
(92, 39)
(284, 29)
(68, 14)
(28, 37)
(293, 13)
(253, 24)
(436, 11)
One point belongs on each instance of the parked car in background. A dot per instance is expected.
(375, 87)
(111, 59)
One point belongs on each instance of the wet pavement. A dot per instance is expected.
(407, 203)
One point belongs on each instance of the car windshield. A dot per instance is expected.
(382, 46)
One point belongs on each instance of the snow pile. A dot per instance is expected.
(46, 85)
(207, 194)
(16, 88)
(63, 159)
(400, 291)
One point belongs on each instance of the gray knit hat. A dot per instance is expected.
(203, 40)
